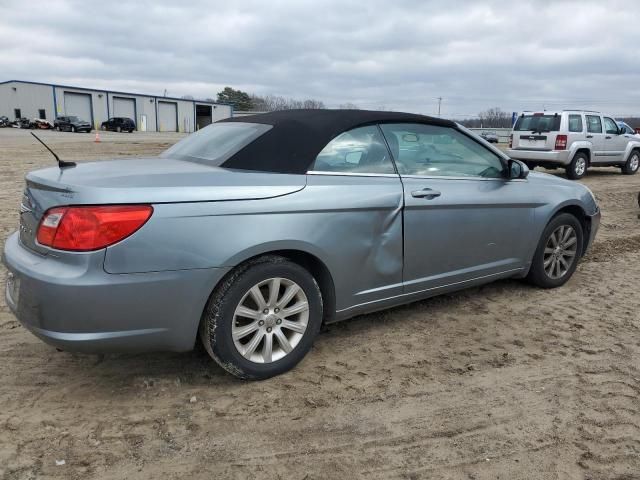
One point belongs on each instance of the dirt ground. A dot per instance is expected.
(504, 381)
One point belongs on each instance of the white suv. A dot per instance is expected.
(575, 140)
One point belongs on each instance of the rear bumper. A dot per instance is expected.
(73, 304)
(558, 157)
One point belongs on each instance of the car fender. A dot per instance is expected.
(275, 246)
(580, 145)
(631, 146)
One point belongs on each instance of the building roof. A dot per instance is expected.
(115, 92)
(298, 136)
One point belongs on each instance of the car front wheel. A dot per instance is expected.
(558, 252)
(633, 163)
(262, 319)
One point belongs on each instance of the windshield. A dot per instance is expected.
(73, 119)
(217, 142)
(537, 123)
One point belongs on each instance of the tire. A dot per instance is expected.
(103, 128)
(118, 129)
(220, 318)
(633, 163)
(578, 166)
(57, 128)
(539, 272)
(530, 165)
(73, 129)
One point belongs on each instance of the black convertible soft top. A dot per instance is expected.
(298, 136)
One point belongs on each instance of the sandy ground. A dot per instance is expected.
(503, 381)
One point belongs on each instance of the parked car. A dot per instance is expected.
(490, 137)
(575, 140)
(71, 123)
(5, 122)
(23, 123)
(254, 231)
(119, 124)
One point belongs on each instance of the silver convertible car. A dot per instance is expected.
(252, 232)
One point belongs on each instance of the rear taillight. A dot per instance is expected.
(561, 142)
(511, 141)
(91, 227)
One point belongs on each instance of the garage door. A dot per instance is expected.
(78, 104)
(167, 117)
(124, 107)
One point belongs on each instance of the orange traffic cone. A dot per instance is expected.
(97, 140)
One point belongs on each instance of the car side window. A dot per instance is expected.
(610, 126)
(431, 150)
(594, 124)
(575, 123)
(360, 150)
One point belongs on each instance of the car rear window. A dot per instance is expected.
(217, 142)
(537, 123)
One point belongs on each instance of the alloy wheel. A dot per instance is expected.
(580, 167)
(634, 162)
(270, 320)
(560, 251)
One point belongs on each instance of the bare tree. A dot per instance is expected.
(349, 106)
(495, 118)
(272, 103)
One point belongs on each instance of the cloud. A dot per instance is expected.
(397, 55)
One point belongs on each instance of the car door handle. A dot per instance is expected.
(425, 193)
(608, 138)
(589, 136)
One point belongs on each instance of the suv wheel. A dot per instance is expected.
(633, 163)
(578, 166)
(118, 129)
(262, 319)
(558, 252)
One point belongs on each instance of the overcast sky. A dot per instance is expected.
(399, 54)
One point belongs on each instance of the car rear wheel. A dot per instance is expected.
(558, 252)
(578, 166)
(262, 319)
(633, 163)
(118, 129)
(73, 129)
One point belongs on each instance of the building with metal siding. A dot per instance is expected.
(152, 113)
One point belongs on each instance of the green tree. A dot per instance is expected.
(239, 99)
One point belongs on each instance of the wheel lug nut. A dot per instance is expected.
(261, 322)
(277, 310)
(278, 321)
(269, 329)
(265, 311)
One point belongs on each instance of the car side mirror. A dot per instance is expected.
(517, 169)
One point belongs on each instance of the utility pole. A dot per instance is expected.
(439, 104)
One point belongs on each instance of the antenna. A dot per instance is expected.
(61, 163)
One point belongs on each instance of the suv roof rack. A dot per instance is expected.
(579, 110)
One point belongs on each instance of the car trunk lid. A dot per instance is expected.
(145, 180)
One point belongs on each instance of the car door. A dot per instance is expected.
(358, 212)
(595, 135)
(615, 142)
(463, 220)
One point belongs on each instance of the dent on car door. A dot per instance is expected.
(358, 216)
(462, 219)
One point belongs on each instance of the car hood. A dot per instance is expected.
(158, 180)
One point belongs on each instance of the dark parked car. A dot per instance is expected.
(254, 231)
(490, 137)
(71, 124)
(119, 124)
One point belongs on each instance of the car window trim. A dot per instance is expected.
(352, 174)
